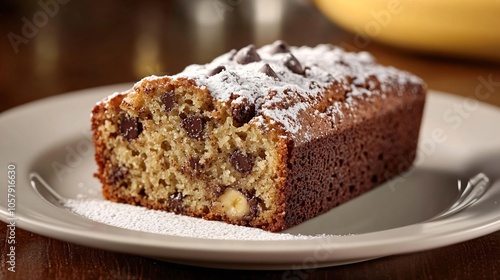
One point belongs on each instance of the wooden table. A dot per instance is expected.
(79, 45)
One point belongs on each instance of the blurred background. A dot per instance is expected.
(49, 47)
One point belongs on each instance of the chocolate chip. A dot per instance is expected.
(118, 174)
(242, 112)
(254, 203)
(246, 55)
(293, 64)
(266, 69)
(219, 190)
(216, 70)
(175, 202)
(195, 165)
(254, 209)
(142, 192)
(168, 99)
(280, 47)
(241, 161)
(130, 128)
(194, 126)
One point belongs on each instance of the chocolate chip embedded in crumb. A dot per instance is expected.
(280, 47)
(253, 202)
(175, 202)
(194, 126)
(118, 174)
(195, 165)
(246, 55)
(216, 70)
(266, 69)
(293, 64)
(219, 190)
(242, 112)
(130, 127)
(241, 161)
(168, 99)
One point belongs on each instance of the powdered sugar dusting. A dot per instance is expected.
(141, 219)
(323, 65)
(106, 100)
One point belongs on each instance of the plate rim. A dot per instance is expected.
(191, 244)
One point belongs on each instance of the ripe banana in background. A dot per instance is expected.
(466, 28)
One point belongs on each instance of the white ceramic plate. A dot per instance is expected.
(456, 144)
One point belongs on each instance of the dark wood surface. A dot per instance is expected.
(82, 45)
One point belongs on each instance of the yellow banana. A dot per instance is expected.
(451, 27)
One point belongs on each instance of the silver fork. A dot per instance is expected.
(473, 191)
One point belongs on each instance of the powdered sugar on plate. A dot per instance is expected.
(161, 222)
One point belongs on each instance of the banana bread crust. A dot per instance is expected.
(267, 137)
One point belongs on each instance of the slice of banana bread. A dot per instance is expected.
(265, 137)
